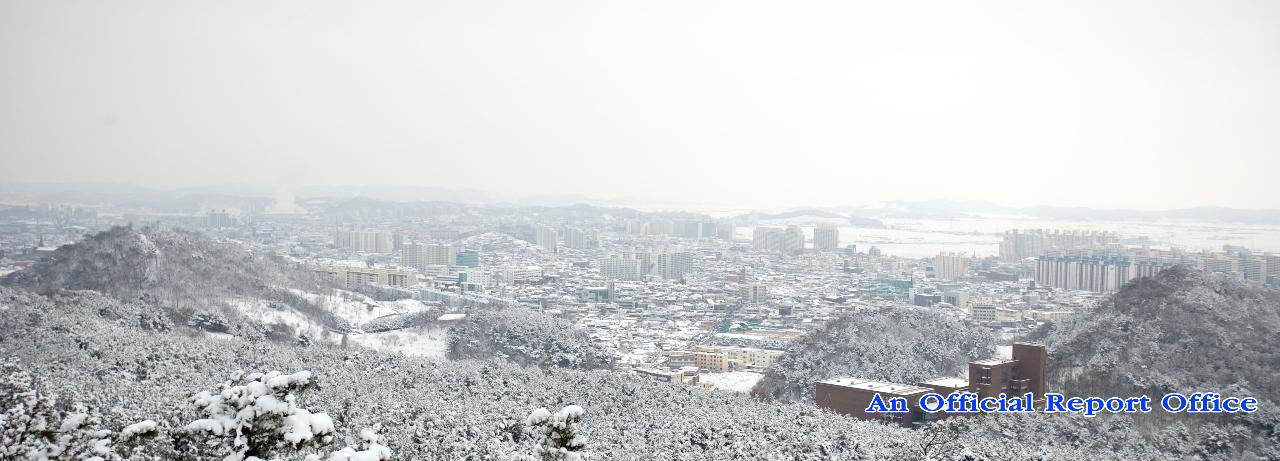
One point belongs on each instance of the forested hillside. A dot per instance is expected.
(527, 338)
(92, 352)
(183, 274)
(896, 344)
(1181, 331)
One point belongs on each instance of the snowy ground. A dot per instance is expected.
(432, 343)
(355, 309)
(735, 381)
(262, 312)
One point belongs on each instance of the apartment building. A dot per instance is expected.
(368, 241)
(826, 237)
(354, 274)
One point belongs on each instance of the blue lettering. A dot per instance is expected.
(1231, 404)
(876, 405)
(1115, 405)
(1075, 404)
(1143, 404)
(1053, 403)
(898, 405)
(1092, 406)
(931, 402)
(1169, 398)
(1248, 404)
(895, 405)
(987, 405)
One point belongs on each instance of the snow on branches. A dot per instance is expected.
(33, 425)
(257, 415)
(557, 435)
(369, 449)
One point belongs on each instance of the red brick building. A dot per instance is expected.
(1023, 372)
(851, 396)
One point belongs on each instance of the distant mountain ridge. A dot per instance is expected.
(251, 195)
(942, 209)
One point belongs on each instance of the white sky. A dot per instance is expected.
(1108, 104)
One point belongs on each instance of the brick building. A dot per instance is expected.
(851, 396)
(1022, 373)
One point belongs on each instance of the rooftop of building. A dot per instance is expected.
(947, 382)
(991, 362)
(879, 387)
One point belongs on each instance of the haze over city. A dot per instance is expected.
(745, 104)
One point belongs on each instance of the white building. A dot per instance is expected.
(620, 268)
(982, 313)
(368, 241)
(546, 237)
(951, 266)
(777, 240)
(826, 237)
(755, 293)
(423, 255)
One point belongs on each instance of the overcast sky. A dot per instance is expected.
(1108, 104)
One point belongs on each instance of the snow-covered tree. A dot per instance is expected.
(32, 425)
(557, 434)
(257, 415)
(526, 337)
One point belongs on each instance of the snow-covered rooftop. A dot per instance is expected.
(876, 386)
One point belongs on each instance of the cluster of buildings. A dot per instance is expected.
(689, 367)
(722, 359)
(1104, 271)
(1099, 262)
(665, 263)
(791, 239)
(682, 228)
(424, 256)
(366, 240)
(355, 274)
(1023, 373)
(1017, 244)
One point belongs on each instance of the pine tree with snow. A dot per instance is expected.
(256, 415)
(557, 435)
(32, 426)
